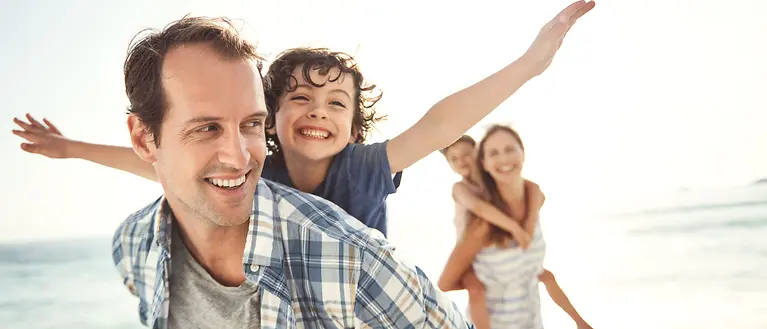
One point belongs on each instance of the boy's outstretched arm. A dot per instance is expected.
(47, 140)
(451, 117)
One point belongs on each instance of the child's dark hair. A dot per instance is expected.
(279, 80)
(462, 139)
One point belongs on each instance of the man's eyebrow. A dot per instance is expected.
(259, 114)
(202, 119)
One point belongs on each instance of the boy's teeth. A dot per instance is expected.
(227, 182)
(314, 133)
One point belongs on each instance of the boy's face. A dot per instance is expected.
(315, 123)
(460, 157)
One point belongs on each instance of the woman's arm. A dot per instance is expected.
(475, 238)
(484, 210)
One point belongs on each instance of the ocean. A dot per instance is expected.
(692, 259)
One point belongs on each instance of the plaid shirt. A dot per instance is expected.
(316, 266)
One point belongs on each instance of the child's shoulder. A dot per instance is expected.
(364, 150)
(364, 157)
(368, 163)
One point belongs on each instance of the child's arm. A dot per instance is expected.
(477, 300)
(50, 142)
(558, 296)
(476, 236)
(487, 212)
(451, 117)
(535, 200)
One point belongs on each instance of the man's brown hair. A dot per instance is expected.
(143, 64)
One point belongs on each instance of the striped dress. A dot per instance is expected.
(510, 276)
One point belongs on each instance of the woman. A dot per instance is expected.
(507, 258)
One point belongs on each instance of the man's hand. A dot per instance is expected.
(44, 139)
(549, 39)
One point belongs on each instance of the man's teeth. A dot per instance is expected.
(227, 182)
(314, 133)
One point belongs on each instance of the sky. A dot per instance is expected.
(644, 96)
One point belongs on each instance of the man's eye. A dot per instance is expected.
(208, 128)
(253, 124)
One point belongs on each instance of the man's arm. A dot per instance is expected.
(47, 140)
(391, 294)
(451, 117)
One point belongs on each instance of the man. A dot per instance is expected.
(222, 248)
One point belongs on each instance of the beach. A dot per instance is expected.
(695, 260)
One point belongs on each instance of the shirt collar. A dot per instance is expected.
(261, 246)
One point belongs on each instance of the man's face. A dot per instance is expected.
(212, 143)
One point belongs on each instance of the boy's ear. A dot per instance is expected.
(355, 134)
(271, 122)
(141, 139)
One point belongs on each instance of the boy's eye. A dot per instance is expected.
(299, 98)
(337, 103)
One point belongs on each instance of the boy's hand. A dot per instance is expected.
(42, 139)
(549, 39)
(524, 240)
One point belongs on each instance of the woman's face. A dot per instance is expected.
(460, 157)
(503, 157)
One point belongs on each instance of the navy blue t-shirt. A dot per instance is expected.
(359, 180)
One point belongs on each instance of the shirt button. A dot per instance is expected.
(254, 268)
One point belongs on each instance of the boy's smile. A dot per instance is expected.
(314, 121)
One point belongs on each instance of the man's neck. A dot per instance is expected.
(306, 175)
(217, 249)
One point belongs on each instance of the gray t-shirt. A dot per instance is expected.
(199, 301)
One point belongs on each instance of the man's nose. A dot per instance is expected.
(233, 151)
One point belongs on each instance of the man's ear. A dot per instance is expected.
(141, 139)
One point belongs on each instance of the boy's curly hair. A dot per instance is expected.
(279, 80)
